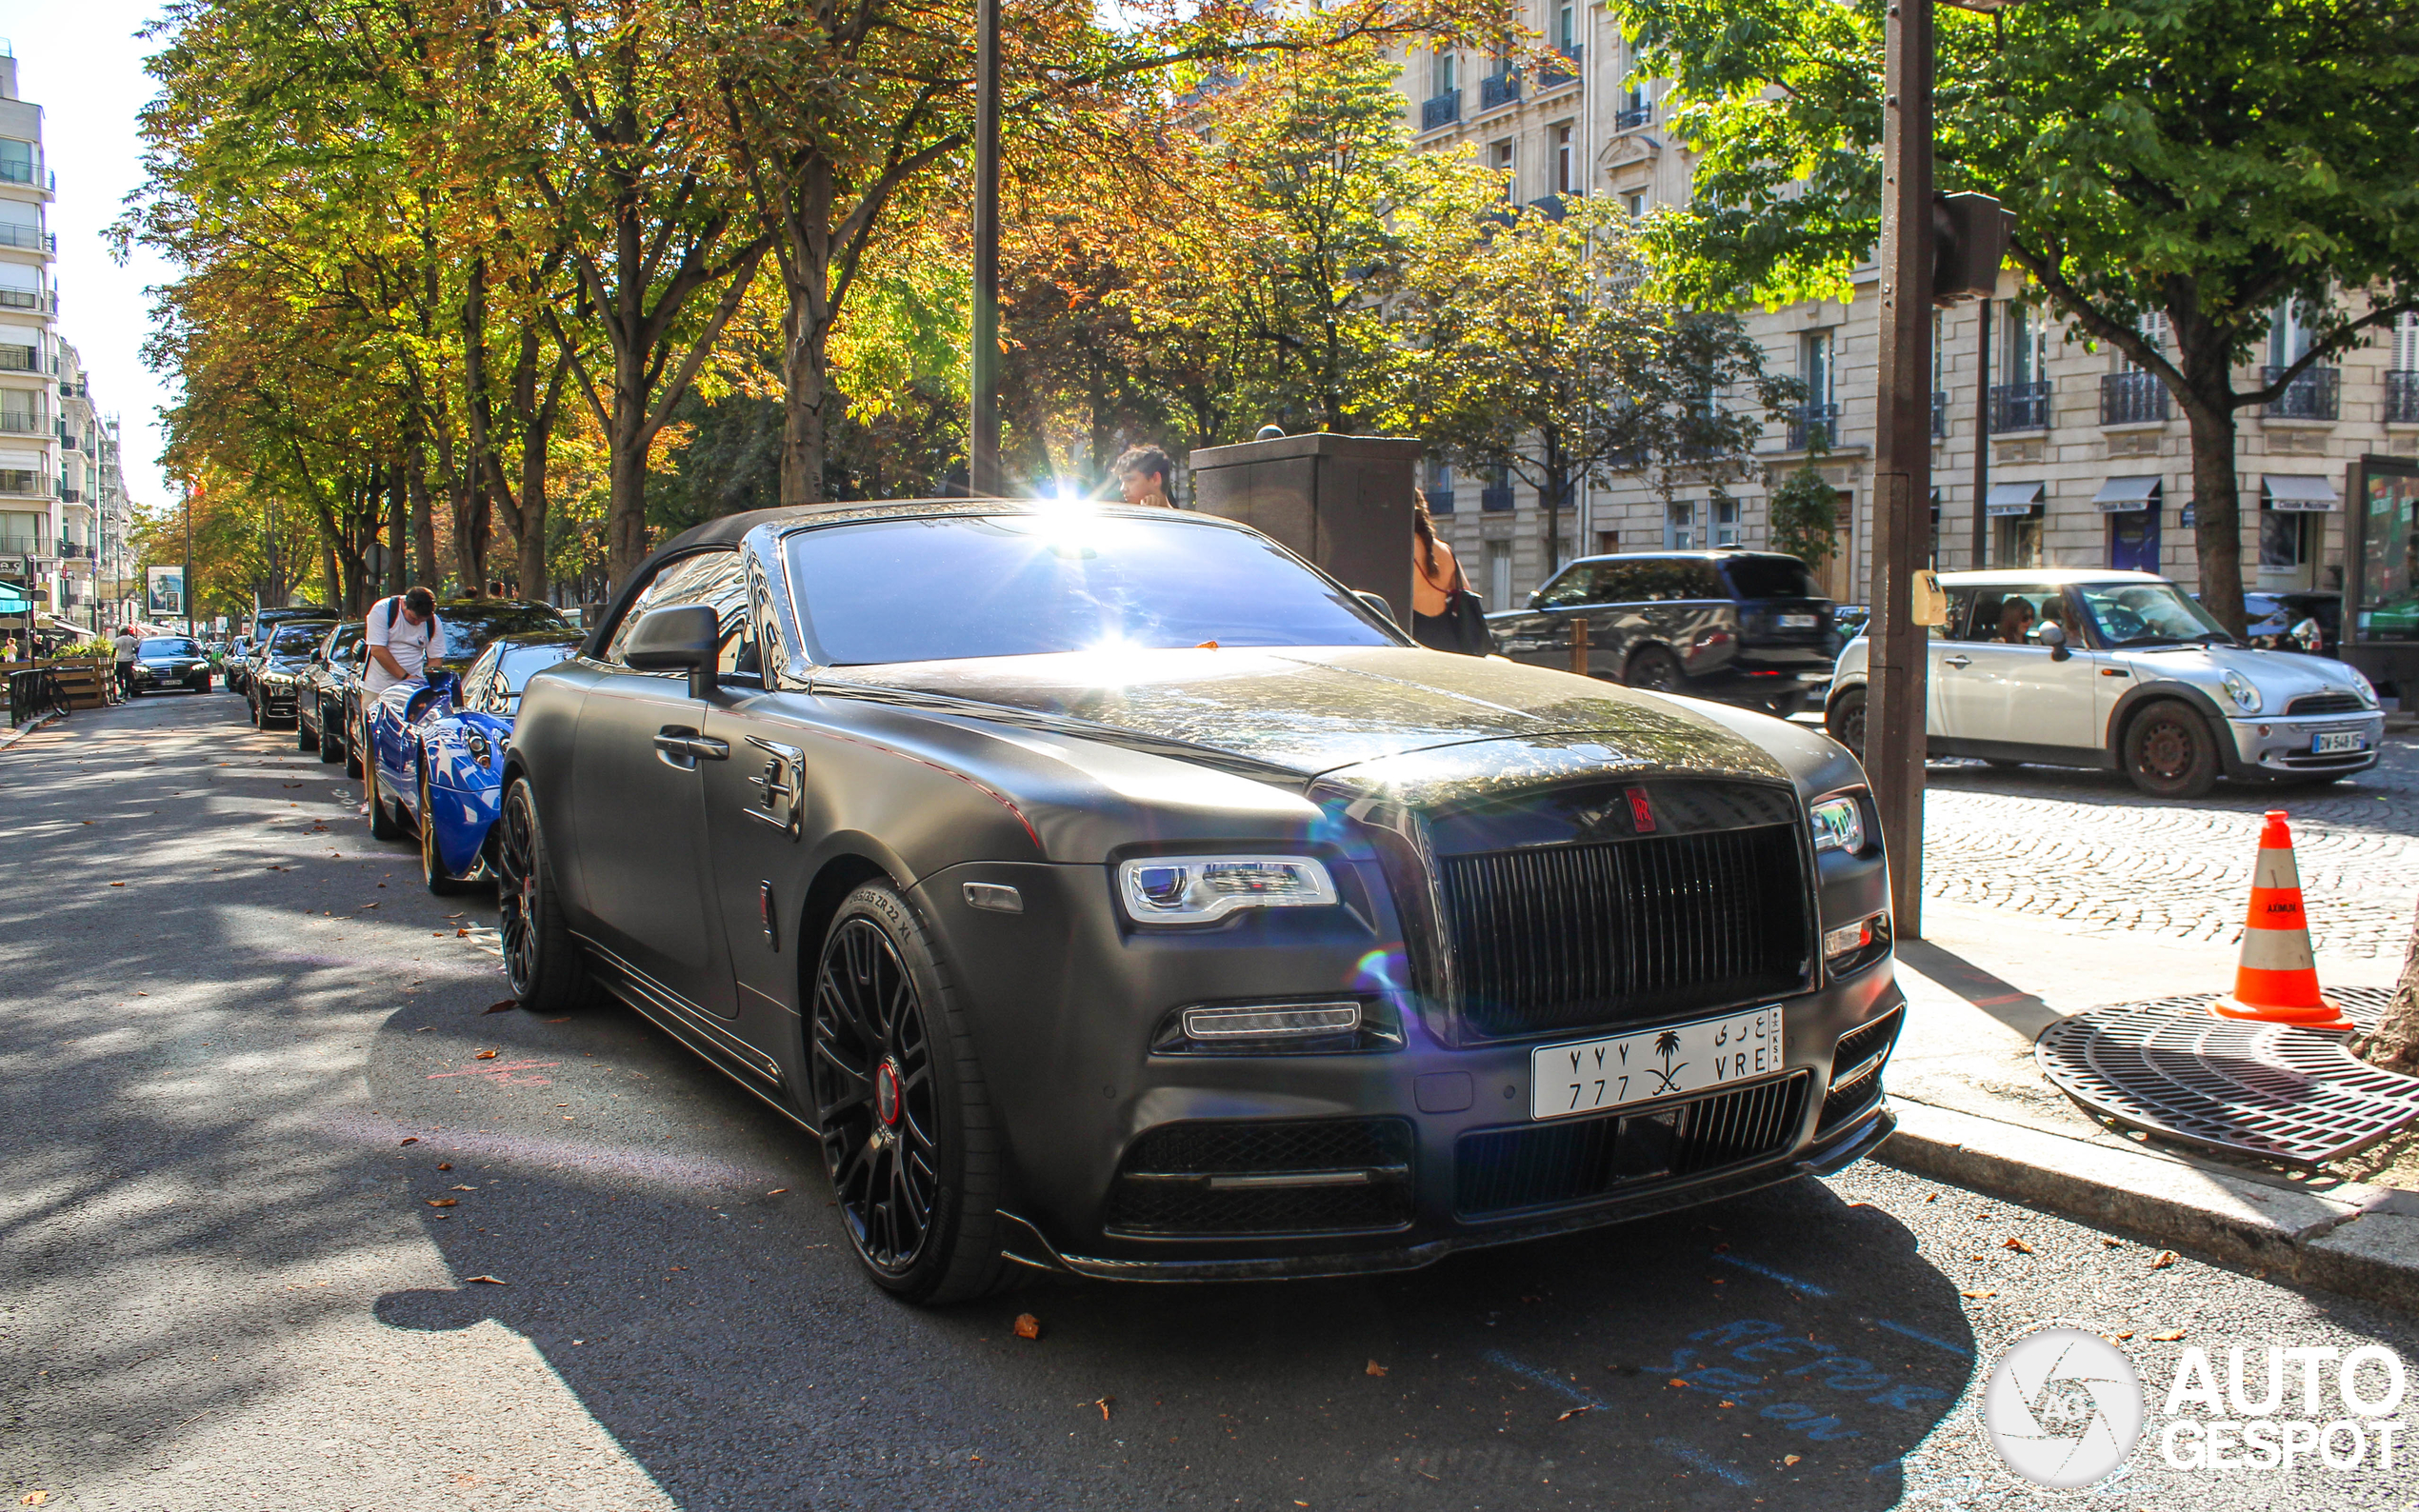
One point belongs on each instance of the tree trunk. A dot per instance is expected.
(398, 531)
(2396, 1045)
(424, 524)
(806, 277)
(625, 467)
(2217, 530)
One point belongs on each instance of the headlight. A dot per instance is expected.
(2361, 684)
(1838, 824)
(1197, 890)
(480, 752)
(2239, 689)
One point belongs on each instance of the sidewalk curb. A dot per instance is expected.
(2360, 1240)
(11, 737)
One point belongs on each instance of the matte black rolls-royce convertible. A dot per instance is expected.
(1111, 891)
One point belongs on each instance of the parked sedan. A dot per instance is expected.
(1744, 626)
(163, 661)
(439, 749)
(2123, 670)
(280, 668)
(322, 697)
(471, 626)
(1113, 892)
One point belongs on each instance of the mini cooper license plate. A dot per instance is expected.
(1669, 1061)
(2336, 743)
(1797, 621)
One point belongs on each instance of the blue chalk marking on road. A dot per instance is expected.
(1692, 1458)
(1920, 1337)
(1698, 1460)
(1770, 1274)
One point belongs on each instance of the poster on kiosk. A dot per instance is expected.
(165, 599)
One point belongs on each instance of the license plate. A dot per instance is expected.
(1797, 621)
(1670, 1062)
(2336, 742)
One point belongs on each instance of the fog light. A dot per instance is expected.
(1272, 1023)
(1848, 939)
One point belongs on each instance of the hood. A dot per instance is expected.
(2280, 676)
(1307, 712)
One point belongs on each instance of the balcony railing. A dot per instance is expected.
(2402, 398)
(1812, 426)
(1496, 500)
(1444, 109)
(68, 549)
(1553, 75)
(20, 299)
(2314, 395)
(1630, 117)
(32, 238)
(2131, 398)
(13, 173)
(1498, 90)
(70, 495)
(1440, 500)
(1939, 413)
(23, 424)
(2019, 406)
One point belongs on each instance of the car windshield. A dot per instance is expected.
(167, 648)
(295, 640)
(519, 662)
(2148, 614)
(1769, 577)
(470, 627)
(1072, 580)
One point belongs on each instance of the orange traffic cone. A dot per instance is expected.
(2277, 981)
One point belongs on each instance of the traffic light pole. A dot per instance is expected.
(1902, 460)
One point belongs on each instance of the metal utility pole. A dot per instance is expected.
(186, 586)
(1902, 459)
(1981, 441)
(983, 431)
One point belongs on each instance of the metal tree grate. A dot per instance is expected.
(2270, 1091)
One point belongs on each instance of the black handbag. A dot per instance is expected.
(1467, 613)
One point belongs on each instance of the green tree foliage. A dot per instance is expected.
(2209, 161)
(1804, 515)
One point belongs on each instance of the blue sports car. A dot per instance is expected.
(437, 755)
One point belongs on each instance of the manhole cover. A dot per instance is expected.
(2265, 1091)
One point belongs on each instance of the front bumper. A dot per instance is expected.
(277, 700)
(2282, 746)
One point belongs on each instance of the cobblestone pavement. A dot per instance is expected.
(2086, 847)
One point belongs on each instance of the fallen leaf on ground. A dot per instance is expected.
(492, 1281)
(1585, 1406)
(444, 1201)
(489, 1055)
(1103, 1404)
(2169, 1336)
(2128, 1334)
(1977, 1295)
(505, 1006)
(1374, 1368)
(474, 1189)
(117, 884)
(2016, 1245)
(1789, 1459)
(2112, 1244)
(1675, 1381)
(2166, 1258)
(459, 933)
(444, 1165)
(414, 1140)
(33, 1499)
(776, 1191)
(1028, 1327)
(1725, 1403)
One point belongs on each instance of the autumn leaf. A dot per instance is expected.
(1790, 1458)
(776, 1191)
(1675, 1381)
(2128, 1334)
(1028, 1327)
(2112, 1244)
(489, 1055)
(1374, 1368)
(1585, 1406)
(1977, 1296)
(2169, 1336)
(413, 1140)
(2016, 1245)
(2166, 1258)
(444, 1201)
(1103, 1405)
(38, 1498)
(444, 1165)
(474, 1189)
(505, 1006)
(491, 1281)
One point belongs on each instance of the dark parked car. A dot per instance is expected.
(1113, 892)
(163, 661)
(321, 722)
(1743, 627)
(471, 626)
(2273, 617)
(280, 668)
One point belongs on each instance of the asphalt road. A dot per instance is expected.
(244, 1055)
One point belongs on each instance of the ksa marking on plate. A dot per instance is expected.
(1669, 1061)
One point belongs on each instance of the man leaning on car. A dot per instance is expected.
(405, 637)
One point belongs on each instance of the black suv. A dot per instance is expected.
(1743, 627)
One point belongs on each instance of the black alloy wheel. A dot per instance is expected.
(1844, 720)
(1652, 667)
(907, 1128)
(2170, 751)
(441, 882)
(540, 959)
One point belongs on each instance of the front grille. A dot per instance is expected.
(1542, 1164)
(1171, 1179)
(2327, 703)
(1859, 1059)
(1563, 937)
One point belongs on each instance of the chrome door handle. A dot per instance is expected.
(676, 746)
(1957, 661)
(709, 749)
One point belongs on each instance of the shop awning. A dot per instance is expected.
(2288, 492)
(12, 599)
(2012, 498)
(2127, 495)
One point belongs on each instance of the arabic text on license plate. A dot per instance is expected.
(1669, 1062)
(2336, 741)
(1797, 621)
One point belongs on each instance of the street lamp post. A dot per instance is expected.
(1901, 458)
(982, 428)
(186, 582)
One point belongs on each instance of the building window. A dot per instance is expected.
(1500, 158)
(1815, 424)
(2021, 402)
(1567, 29)
(1439, 487)
(1607, 542)
(1499, 576)
(1443, 72)
(1680, 526)
(1636, 203)
(1566, 156)
(2288, 334)
(1726, 522)
(16, 161)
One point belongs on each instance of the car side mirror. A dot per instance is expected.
(684, 638)
(2053, 635)
(1377, 605)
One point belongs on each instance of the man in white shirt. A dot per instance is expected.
(125, 644)
(405, 637)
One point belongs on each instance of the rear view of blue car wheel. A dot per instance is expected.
(539, 958)
(441, 882)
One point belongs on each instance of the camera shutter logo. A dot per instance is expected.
(2064, 1408)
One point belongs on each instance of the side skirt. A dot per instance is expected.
(724, 1051)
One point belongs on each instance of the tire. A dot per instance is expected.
(330, 750)
(909, 1138)
(540, 958)
(352, 748)
(260, 719)
(305, 737)
(382, 822)
(433, 870)
(1845, 721)
(1652, 667)
(2170, 751)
